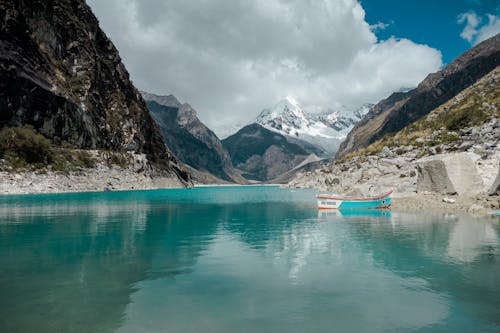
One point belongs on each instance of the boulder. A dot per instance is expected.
(386, 152)
(448, 174)
(495, 188)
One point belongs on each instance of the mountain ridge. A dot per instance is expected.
(262, 154)
(401, 109)
(190, 140)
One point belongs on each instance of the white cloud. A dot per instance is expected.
(379, 26)
(490, 29)
(475, 30)
(231, 59)
(471, 21)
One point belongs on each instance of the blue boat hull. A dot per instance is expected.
(360, 205)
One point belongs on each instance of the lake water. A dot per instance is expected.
(240, 259)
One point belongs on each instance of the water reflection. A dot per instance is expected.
(241, 262)
(469, 238)
(376, 213)
(437, 248)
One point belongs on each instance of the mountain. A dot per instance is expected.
(325, 130)
(468, 122)
(166, 100)
(60, 74)
(190, 140)
(285, 137)
(262, 154)
(402, 109)
(453, 149)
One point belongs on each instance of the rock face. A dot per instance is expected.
(262, 154)
(448, 174)
(401, 109)
(495, 187)
(62, 75)
(190, 140)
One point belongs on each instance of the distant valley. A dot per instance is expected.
(280, 139)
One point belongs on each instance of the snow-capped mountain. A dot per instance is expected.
(325, 129)
(286, 117)
(343, 119)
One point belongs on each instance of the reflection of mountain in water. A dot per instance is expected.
(418, 245)
(87, 265)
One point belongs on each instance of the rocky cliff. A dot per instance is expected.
(190, 140)
(62, 75)
(401, 109)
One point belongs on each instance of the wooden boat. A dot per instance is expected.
(332, 201)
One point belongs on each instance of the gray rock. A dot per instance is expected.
(495, 188)
(487, 129)
(371, 173)
(474, 208)
(465, 145)
(490, 144)
(432, 151)
(386, 152)
(448, 174)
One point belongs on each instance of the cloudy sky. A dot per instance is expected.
(231, 59)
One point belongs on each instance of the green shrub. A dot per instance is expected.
(23, 145)
(118, 159)
(464, 117)
(85, 159)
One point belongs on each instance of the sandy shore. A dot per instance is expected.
(480, 204)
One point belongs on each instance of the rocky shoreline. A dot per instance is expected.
(402, 171)
(458, 176)
(116, 179)
(134, 174)
(92, 180)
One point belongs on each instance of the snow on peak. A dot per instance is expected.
(287, 117)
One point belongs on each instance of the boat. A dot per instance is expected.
(333, 201)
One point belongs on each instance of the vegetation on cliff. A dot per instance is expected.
(24, 149)
(475, 106)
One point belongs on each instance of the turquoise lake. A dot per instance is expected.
(240, 259)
